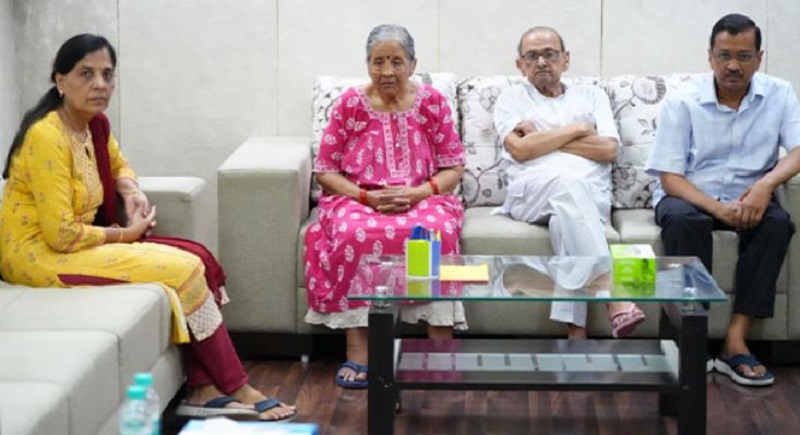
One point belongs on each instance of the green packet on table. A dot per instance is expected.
(633, 263)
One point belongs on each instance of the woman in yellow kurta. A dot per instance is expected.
(47, 237)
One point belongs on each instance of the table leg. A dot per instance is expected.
(382, 393)
(667, 402)
(693, 349)
(687, 323)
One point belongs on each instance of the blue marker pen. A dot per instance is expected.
(436, 252)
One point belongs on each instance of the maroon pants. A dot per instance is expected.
(214, 361)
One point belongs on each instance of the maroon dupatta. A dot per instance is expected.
(107, 214)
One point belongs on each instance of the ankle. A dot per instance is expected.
(440, 332)
(730, 349)
(202, 393)
(575, 332)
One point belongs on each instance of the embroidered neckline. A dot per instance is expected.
(362, 95)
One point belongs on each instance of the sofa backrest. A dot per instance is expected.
(635, 103)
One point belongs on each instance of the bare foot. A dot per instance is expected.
(350, 375)
(250, 396)
(731, 349)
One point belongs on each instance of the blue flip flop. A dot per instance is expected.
(216, 408)
(731, 365)
(355, 384)
(269, 403)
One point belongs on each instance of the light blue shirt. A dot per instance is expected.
(720, 150)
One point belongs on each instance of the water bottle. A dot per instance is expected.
(145, 380)
(134, 418)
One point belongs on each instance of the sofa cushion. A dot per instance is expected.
(38, 408)
(487, 234)
(137, 314)
(638, 226)
(84, 363)
(8, 294)
(485, 180)
(328, 88)
(635, 103)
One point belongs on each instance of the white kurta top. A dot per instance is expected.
(578, 103)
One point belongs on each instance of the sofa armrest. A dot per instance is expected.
(790, 197)
(263, 199)
(182, 209)
(791, 201)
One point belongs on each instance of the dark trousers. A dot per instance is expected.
(686, 230)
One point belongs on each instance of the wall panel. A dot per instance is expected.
(9, 91)
(663, 36)
(198, 78)
(480, 37)
(318, 37)
(783, 40)
(42, 26)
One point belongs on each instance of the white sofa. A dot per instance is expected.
(269, 179)
(68, 355)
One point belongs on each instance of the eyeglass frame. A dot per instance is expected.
(742, 57)
(533, 56)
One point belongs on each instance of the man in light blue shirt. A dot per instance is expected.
(716, 156)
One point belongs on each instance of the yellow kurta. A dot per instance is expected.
(50, 200)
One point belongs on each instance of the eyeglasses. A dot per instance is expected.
(549, 56)
(743, 58)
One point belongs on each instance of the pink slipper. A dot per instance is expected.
(624, 322)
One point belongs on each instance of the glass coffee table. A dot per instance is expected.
(673, 365)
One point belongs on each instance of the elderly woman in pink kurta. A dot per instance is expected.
(389, 159)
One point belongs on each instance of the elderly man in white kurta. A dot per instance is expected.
(561, 141)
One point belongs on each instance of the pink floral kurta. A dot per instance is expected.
(375, 149)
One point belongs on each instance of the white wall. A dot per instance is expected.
(42, 26)
(9, 95)
(197, 77)
(656, 37)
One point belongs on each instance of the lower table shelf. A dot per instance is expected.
(511, 364)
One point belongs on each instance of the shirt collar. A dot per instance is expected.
(536, 95)
(708, 93)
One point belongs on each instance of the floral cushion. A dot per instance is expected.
(327, 89)
(636, 102)
(485, 180)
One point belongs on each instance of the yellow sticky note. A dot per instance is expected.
(469, 273)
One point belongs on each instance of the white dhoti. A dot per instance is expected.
(576, 211)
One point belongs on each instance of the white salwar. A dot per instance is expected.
(570, 193)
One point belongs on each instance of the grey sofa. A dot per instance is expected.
(267, 182)
(67, 355)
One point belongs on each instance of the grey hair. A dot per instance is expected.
(391, 32)
(540, 29)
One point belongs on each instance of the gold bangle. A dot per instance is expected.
(119, 233)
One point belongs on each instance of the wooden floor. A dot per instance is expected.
(732, 409)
